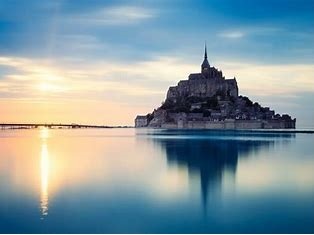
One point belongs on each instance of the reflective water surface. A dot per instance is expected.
(155, 181)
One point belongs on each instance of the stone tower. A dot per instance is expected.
(205, 67)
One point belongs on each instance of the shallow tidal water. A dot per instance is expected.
(155, 181)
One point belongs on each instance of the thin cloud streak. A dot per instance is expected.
(238, 33)
(232, 35)
(115, 15)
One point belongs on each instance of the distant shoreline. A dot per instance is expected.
(13, 126)
(67, 127)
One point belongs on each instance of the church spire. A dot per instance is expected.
(205, 65)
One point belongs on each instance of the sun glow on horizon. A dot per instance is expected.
(46, 87)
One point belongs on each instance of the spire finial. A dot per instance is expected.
(205, 55)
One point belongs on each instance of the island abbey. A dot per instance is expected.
(207, 100)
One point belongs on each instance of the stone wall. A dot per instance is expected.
(248, 124)
(215, 125)
(229, 124)
(203, 88)
(141, 121)
(170, 126)
(279, 124)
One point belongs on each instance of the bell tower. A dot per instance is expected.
(205, 65)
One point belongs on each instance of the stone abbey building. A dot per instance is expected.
(204, 84)
(207, 100)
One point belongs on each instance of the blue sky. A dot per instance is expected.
(127, 53)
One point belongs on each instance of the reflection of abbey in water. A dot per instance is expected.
(210, 157)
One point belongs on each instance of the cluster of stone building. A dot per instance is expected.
(208, 100)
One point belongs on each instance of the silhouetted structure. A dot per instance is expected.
(208, 100)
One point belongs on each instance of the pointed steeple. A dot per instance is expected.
(205, 64)
(205, 54)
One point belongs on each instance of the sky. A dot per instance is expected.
(104, 62)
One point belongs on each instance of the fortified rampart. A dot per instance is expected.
(230, 124)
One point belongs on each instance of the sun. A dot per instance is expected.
(49, 82)
(48, 87)
(45, 87)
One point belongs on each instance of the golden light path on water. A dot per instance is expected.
(44, 173)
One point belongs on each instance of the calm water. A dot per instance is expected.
(137, 181)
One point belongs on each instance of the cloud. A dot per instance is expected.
(116, 15)
(265, 80)
(33, 78)
(128, 13)
(249, 31)
(232, 34)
